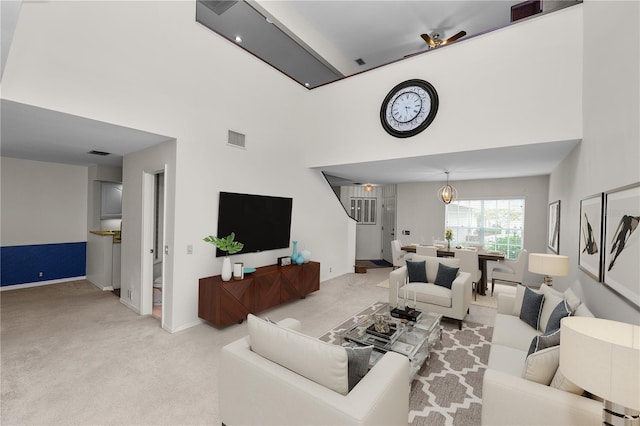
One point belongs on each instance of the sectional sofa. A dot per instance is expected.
(531, 390)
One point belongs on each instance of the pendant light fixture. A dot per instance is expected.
(447, 193)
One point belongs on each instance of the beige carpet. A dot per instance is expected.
(71, 354)
(383, 284)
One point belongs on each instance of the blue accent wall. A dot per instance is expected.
(22, 264)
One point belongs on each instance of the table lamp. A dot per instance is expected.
(549, 265)
(603, 357)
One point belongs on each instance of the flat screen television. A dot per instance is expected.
(260, 222)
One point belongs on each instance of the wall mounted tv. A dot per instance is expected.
(260, 222)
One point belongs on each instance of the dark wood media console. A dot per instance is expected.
(224, 303)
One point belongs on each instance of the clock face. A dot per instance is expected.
(409, 108)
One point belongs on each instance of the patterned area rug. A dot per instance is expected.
(448, 388)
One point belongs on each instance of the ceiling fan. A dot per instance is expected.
(436, 41)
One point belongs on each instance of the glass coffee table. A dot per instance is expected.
(415, 340)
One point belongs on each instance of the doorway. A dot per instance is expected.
(388, 220)
(154, 249)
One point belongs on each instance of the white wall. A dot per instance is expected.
(179, 79)
(609, 155)
(423, 214)
(42, 203)
(515, 86)
(151, 160)
(176, 78)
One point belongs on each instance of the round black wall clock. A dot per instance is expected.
(409, 108)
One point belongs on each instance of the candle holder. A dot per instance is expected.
(238, 271)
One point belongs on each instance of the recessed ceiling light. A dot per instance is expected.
(238, 39)
(307, 84)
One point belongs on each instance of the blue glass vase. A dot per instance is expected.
(294, 254)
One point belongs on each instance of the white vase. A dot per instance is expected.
(226, 269)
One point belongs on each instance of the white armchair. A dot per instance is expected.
(510, 271)
(451, 303)
(398, 254)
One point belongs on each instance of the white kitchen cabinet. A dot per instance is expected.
(111, 200)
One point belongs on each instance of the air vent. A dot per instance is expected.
(236, 139)
(219, 7)
(100, 153)
(360, 61)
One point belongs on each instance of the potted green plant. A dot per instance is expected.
(448, 235)
(227, 245)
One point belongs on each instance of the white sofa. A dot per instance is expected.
(278, 376)
(510, 399)
(451, 303)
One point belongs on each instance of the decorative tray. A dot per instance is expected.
(386, 336)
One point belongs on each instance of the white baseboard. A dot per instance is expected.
(129, 305)
(105, 288)
(41, 283)
(182, 327)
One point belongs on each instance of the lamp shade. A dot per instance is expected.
(602, 357)
(549, 264)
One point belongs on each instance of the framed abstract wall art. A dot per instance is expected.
(553, 227)
(590, 244)
(621, 267)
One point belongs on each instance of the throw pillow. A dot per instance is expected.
(324, 363)
(545, 289)
(531, 307)
(560, 311)
(550, 302)
(417, 271)
(541, 366)
(562, 383)
(544, 341)
(358, 363)
(573, 301)
(446, 276)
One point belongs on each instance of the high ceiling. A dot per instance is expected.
(336, 33)
(316, 42)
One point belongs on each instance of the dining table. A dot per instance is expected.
(483, 258)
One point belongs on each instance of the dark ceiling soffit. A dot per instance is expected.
(265, 40)
(333, 183)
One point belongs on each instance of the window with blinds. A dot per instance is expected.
(497, 224)
(363, 210)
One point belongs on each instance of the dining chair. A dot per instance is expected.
(427, 251)
(398, 254)
(510, 271)
(469, 263)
